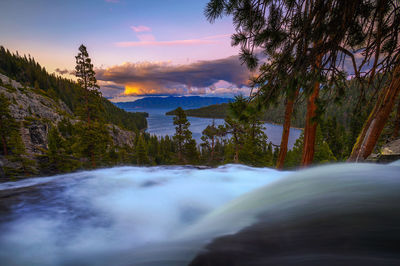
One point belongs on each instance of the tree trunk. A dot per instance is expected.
(212, 149)
(286, 130)
(87, 106)
(310, 128)
(236, 156)
(376, 121)
(397, 123)
(92, 159)
(3, 140)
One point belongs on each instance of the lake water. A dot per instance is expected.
(161, 125)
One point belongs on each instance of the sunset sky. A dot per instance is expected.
(138, 47)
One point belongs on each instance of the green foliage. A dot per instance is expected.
(84, 70)
(18, 155)
(141, 151)
(210, 137)
(186, 146)
(58, 157)
(247, 142)
(92, 142)
(323, 153)
(8, 125)
(29, 73)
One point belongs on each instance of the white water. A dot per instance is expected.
(77, 217)
(165, 215)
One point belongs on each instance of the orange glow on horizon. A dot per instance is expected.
(132, 90)
(138, 89)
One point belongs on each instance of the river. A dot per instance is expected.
(165, 216)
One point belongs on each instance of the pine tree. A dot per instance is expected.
(323, 153)
(183, 136)
(94, 137)
(255, 140)
(87, 80)
(141, 151)
(234, 125)
(58, 154)
(7, 123)
(209, 138)
(93, 142)
(19, 155)
(308, 42)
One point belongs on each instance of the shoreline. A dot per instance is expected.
(269, 122)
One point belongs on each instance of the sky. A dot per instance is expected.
(138, 47)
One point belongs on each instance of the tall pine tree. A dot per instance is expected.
(94, 137)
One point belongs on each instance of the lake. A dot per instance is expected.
(161, 125)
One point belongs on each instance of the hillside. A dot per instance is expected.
(40, 127)
(172, 102)
(29, 73)
(35, 114)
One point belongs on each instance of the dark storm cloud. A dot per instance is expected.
(159, 77)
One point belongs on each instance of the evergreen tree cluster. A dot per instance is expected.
(30, 73)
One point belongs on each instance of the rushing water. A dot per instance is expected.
(79, 217)
(165, 215)
(161, 125)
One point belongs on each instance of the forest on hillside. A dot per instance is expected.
(28, 72)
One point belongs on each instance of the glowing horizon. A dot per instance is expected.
(118, 31)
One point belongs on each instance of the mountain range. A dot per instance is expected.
(172, 102)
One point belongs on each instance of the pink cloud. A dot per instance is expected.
(217, 36)
(140, 28)
(149, 40)
(165, 43)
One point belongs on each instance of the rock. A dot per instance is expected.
(390, 152)
(36, 113)
(391, 148)
(38, 134)
(120, 136)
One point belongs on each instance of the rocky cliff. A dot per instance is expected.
(35, 112)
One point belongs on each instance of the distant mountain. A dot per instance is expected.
(172, 102)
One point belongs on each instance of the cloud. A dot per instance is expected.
(221, 76)
(164, 43)
(112, 1)
(149, 40)
(140, 28)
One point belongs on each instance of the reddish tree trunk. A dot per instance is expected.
(376, 121)
(286, 131)
(92, 159)
(310, 128)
